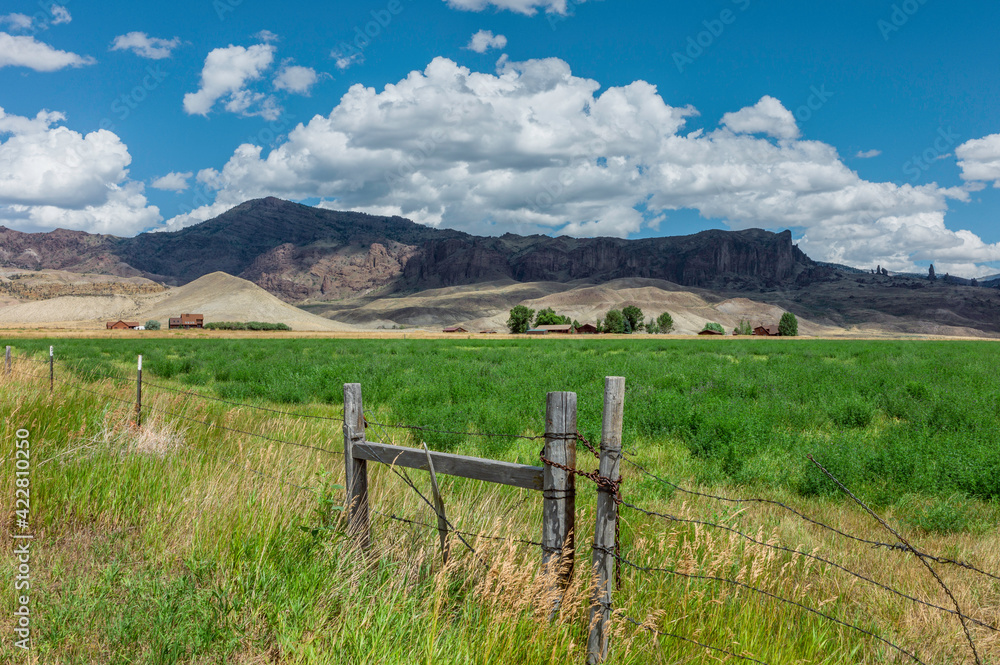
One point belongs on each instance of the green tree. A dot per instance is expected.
(548, 317)
(717, 327)
(520, 319)
(152, 324)
(633, 316)
(652, 328)
(743, 328)
(665, 322)
(614, 322)
(788, 326)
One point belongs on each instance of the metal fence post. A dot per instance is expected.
(52, 373)
(138, 395)
(605, 549)
(559, 486)
(356, 470)
(7, 362)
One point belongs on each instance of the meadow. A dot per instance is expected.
(177, 542)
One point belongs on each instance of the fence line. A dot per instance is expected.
(930, 568)
(787, 508)
(606, 550)
(789, 550)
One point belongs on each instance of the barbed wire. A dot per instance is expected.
(244, 432)
(757, 590)
(244, 405)
(435, 527)
(406, 478)
(782, 548)
(874, 543)
(885, 525)
(656, 631)
(431, 430)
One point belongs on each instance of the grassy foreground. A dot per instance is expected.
(162, 545)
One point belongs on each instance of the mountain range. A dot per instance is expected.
(313, 257)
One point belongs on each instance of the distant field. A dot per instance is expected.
(889, 418)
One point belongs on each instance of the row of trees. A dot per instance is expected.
(629, 320)
(624, 321)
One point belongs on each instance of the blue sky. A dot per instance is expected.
(870, 128)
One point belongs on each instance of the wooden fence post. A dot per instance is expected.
(52, 373)
(138, 395)
(605, 549)
(438, 505)
(559, 486)
(356, 469)
(7, 362)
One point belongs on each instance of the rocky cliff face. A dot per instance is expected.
(300, 253)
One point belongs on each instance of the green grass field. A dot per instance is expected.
(160, 545)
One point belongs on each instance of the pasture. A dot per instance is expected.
(182, 542)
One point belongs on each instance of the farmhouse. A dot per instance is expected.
(456, 329)
(487, 332)
(537, 331)
(565, 329)
(123, 325)
(766, 331)
(587, 329)
(710, 332)
(187, 321)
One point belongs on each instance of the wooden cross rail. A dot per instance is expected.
(556, 480)
(491, 471)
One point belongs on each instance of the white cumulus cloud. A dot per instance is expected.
(294, 78)
(154, 48)
(535, 149)
(484, 40)
(526, 7)
(52, 176)
(768, 116)
(26, 51)
(225, 76)
(979, 160)
(17, 21)
(173, 181)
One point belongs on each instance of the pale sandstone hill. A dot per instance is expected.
(220, 297)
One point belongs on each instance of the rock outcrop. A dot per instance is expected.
(302, 254)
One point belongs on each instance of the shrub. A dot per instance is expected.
(789, 325)
(614, 322)
(548, 317)
(152, 324)
(249, 325)
(520, 319)
(633, 318)
(717, 327)
(743, 328)
(665, 322)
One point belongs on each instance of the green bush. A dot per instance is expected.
(743, 328)
(665, 322)
(614, 322)
(249, 325)
(520, 319)
(717, 327)
(152, 324)
(789, 325)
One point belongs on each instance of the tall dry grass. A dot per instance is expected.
(165, 544)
